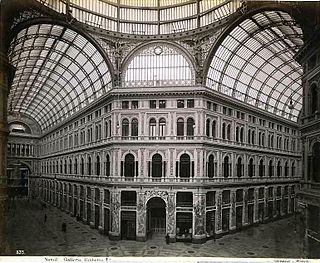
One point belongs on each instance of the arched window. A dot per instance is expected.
(125, 128)
(89, 165)
(213, 129)
(253, 137)
(134, 128)
(286, 169)
(249, 136)
(262, 139)
(106, 129)
(82, 166)
(152, 128)
(129, 165)
(261, 168)
(76, 166)
(98, 165)
(293, 169)
(239, 167)
(107, 165)
(223, 131)
(237, 134)
(229, 132)
(190, 128)
(70, 166)
(270, 168)
(210, 172)
(162, 128)
(156, 165)
(316, 162)
(251, 168)
(208, 128)
(314, 99)
(65, 167)
(226, 166)
(185, 165)
(279, 169)
(157, 65)
(241, 134)
(180, 127)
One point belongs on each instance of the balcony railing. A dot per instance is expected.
(167, 180)
(167, 139)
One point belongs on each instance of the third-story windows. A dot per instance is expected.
(180, 103)
(152, 128)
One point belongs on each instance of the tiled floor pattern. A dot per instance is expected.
(27, 230)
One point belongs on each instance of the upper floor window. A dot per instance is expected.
(162, 104)
(180, 103)
(180, 127)
(152, 128)
(159, 64)
(125, 104)
(190, 103)
(125, 128)
(134, 128)
(152, 104)
(134, 104)
(314, 99)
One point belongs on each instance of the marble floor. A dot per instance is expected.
(27, 231)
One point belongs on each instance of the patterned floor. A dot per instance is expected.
(26, 230)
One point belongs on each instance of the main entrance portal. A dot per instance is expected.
(156, 216)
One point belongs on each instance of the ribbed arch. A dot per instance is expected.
(59, 70)
(254, 63)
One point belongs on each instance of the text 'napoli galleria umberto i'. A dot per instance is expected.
(190, 119)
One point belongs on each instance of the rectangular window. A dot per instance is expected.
(162, 104)
(125, 104)
(153, 104)
(208, 105)
(214, 106)
(134, 104)
(230, 112)
(224, 110)
(180, 103)
(190, 103)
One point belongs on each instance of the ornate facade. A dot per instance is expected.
(185, 126)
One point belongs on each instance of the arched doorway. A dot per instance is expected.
(156, 217)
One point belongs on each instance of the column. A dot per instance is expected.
(115, 206)
(101, 214)
(141, 230)
(245, 209)
(218, 213)
(256, 206)
(92, 204)
(199, 218)
(233, 210)
(171, 216)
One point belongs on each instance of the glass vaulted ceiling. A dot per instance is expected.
(147, 17)
(255, 64)
(58, 72)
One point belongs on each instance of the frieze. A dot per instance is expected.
(24, 16)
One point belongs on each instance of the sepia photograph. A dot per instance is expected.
(159, 131)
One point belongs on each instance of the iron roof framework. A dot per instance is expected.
(58, 72)
(255, 64)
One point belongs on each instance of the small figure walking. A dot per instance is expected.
(45, 218)
(167, 239)
(214, 237)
